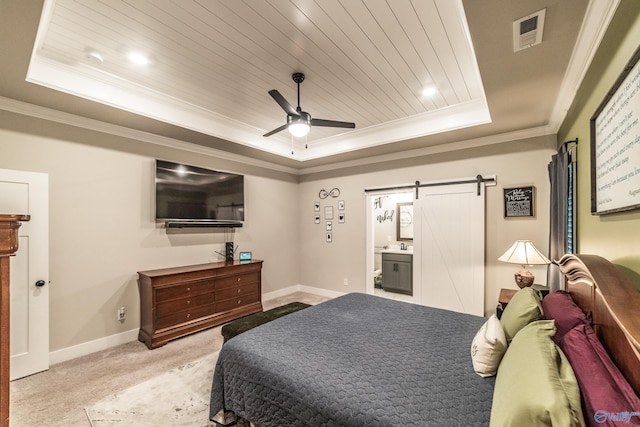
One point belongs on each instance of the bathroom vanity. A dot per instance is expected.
(397, 271)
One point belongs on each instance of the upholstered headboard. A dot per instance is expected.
(601, 290)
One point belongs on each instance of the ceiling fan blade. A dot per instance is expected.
(283, 127)
(282, 102)
(332, 123)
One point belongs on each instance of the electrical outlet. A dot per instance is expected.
(122, 314)
(346, 281)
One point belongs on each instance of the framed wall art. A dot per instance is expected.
(615, 145)
(519, 202)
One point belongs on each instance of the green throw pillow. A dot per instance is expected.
(535, 385)
(524, 308)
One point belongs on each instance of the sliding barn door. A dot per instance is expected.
(450, 229)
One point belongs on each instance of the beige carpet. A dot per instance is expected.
(179, 397)
(58, 397)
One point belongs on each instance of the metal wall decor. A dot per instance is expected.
(334, 192)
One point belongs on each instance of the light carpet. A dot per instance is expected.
(179, 397)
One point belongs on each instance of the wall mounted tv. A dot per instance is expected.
(190, 196)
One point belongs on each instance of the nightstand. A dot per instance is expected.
(504, 299)
(506, 294)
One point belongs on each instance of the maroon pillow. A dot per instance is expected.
(559, 306)
(607, 396)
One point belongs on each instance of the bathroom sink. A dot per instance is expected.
(398, 251)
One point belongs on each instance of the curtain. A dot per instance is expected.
(561, 215)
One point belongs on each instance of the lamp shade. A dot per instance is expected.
(524, 253)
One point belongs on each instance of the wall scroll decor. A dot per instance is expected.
(519, 202)
(615, 145)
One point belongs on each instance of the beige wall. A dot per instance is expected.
(614, 236)
(516, 163)
(102, 232)
(102, 229)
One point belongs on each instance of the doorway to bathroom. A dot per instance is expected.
(444, 227)
(393, 245)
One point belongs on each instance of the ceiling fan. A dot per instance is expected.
(299, 122)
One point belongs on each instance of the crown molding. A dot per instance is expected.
(45, 113)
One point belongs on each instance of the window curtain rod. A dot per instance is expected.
(479, 180)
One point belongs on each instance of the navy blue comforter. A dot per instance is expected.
(356, 360)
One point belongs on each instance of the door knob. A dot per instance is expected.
(40, 283)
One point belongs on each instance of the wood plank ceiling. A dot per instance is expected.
(212, 63)
(365, 61)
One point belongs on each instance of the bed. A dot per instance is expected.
(363, 360)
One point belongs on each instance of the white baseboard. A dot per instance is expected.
(89, 347)
(100, 344)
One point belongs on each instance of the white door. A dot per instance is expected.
(449, 248)
(28, 193)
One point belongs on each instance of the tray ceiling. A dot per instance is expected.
(212, 63)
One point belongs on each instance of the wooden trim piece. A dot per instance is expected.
(9, 225)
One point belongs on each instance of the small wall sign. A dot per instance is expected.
(519, 202)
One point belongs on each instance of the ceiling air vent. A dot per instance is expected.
(527, 31)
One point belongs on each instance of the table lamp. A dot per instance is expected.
(524, 253)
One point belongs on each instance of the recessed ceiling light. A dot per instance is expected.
(94, 56)
(138, 58)
(429, 91)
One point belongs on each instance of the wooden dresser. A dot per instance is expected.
(9, 225)
(178, 301)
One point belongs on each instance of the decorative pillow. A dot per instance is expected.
(535, 385)
(559, 306)
(606, 393)
(524, 308)
(488, 347)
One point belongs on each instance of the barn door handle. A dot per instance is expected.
(40, 283)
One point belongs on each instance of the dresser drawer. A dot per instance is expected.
(192, 302)
(239, 280)
(176, 319)
(237, 291)
(185, 290)
(232, 303)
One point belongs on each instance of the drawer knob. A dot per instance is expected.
(239, 279)
(188, 315)
(238, 290)
(188, 302)
(189, 289)
(239, 302)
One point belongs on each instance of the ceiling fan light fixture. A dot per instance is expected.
(298, 129)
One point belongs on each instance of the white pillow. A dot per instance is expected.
(488, 347)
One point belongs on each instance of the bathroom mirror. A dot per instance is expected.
(404, 221)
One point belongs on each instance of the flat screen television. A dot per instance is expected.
(194, 196)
